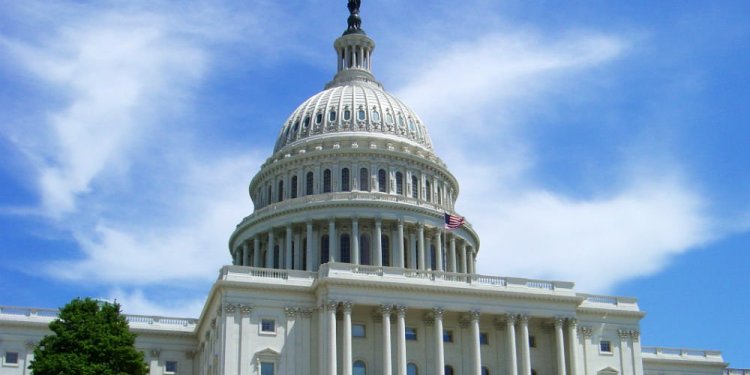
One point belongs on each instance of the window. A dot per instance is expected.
(361, 115)
(345, 179)
(332, 116)
(267, 326)
(170, 367)
(347, 114)
(11, 358)
(324, 256)
(281, 191)
(411, 334)
(306, 123)
(364, 249)
(319, 118)
(270, 197)
(364, 179)
(386, 245)
(428, 191)
(389, 118)
(485, 371)
(433, 257)
(327, 181)
(359, 368)
(449, 370)
(411, 369)
(309, 184)
(346, 248)
(414, 187)
(399, 183)
(447, 336)
(276, 257)
(375, 116)
(358, 330)
(381, 180)
(267, 368)
(484, 338)
(605, 346)
(294, 187)
(532, 342)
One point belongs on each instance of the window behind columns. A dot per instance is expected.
(294, 187)
(359, 368)
(428, 191)
(386, 244)
(381, 181)
(364, 179)
(304, 254)
(433, 258)
(399, 183)
(364, 249)
(280, 192)
(324, 256)
(411, 369)
(309, 184)
(414, 187)
(327, 181)
(270, 198)
(276, 257)
(345, 179)
(485, 370)
(449, 370)
(346, 248)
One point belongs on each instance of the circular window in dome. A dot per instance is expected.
(332, 115)
(361, 115)
(347, 114)
(389, 118)
(411, 125)
(375, 115)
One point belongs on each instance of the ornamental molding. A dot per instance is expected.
(400, 310)
(474, 315)
(623, 333)
(559, 321)
(347, 306)
(635, 334)
(230, 308)
(587, 332)
(306, 312)
(156, 352)
(332, 305)
(290, 312)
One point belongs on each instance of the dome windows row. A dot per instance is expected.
(387, 180)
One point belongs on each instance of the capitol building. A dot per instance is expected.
(354, 261)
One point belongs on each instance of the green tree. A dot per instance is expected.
(88, 338)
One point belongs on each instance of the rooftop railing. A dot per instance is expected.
(681, 353)
(736, 371)
(51, 314)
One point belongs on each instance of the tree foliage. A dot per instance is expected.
(89, 338)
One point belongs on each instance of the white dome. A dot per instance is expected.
(357, 107)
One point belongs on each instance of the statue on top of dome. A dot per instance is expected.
(354, 21)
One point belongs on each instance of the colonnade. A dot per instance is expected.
(375, 242)
(517, 336)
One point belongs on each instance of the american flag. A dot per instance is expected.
(453, 221)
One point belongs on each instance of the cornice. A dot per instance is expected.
(615, 312)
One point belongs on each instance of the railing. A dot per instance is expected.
(608, 300)
(681, 353)
(736, 371)
(139, 319)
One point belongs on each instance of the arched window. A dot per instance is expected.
(533, 372)
(327, 181)
(269, 196)
(332, 115)
(280, 193)
(346, 248)
(347, 114)
(449, 370)
(294, 187)
(440, 195)
(364, 179)
(414, 187)
(485, 371)
(399, 183)
(433, 258)
(276, 257)
(309, 184)
(304, 254)
(428, 191)
(386, 244)
(411, 369)
(345, 179)
(364, 249)
(359, 368)
(381, 180)
(324, 256)
(361, 115)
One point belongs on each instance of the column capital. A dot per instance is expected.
(437, 312)
(290, 312)
(511, 318)
(474, 315)
(523, 319)
(385, 309)
(331, 305)
(305, 312)
(347, 306)
(230, 308)
(586, 331)
(559, 321)
(572, 322)
(635, 334)
(623, 333)
(400, 310)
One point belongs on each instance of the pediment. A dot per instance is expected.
(608, 371)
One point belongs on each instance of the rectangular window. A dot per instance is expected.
(268, 326)
(447, 336)
(484, 338)
(11, 358)
(605, 346)
(411, 334)
(358, 330)
(170, 367)
(532, 342)
(266, 368)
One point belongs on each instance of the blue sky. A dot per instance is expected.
(604, 143)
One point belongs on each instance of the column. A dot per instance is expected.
(245, 254)
(256, 251)
(401, 340)
(386, 312)
(586, 333)
(355, 241)
(453, 254)
(332, 240)
(464, 263)
(412, 250)
(310, 255)
(473, 260)
(476, 349)
(573, 345)
(635, 337)
(625, 361)
(560, 345)
(439, 251)
(420, 246)
(331, 317)
(347, 339)
(298, 251)
(512, 356)
(269, 250)
(291, 333)
(378, 251)
(439, 355)
(288, 248)
(400, 247)
(525, 352)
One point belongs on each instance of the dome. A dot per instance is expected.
(354, 107)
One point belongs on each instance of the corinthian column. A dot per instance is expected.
(288, 248)
(385, 310)
(355, 242)
(378, 243)
(332, 240)
(475, 344)
(439, 354)
(512, 355)
(560, 345)
(347, 339)
(309, 246)
(331, 312)
(573, 345)
(525, 352)
(269, 251)
(400, 245)
(401, 340)
(439, 252)
(421, 259)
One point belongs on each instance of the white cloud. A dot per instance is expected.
(136, 302)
